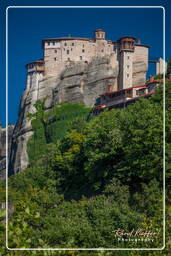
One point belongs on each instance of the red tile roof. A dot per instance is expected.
(137, 86)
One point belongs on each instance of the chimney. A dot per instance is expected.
(138, 41)
(151, 78)
(109, 88)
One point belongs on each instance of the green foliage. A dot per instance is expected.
(168, 72)
(61, 117)
(39, 114)
(142, 126)
(102, 149)
(87, 179)
(52, 126)
(83, 223)
(37, 144)
(158, 76)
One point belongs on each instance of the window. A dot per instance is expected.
(55, 59)
(140, 92)
(127, 75)
(83, 50)
(64, 49)
(71, 49)
(53, 43)
(68, 59)
(48, 43)
(67, 51)
(128, 57)
(72, 44)
(65, 44)
(83, 45)
(127, 66)
(102, 50)
(55, 51)
(128, 93)
(81, 57)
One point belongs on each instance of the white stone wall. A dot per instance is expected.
(58, 54)
(33, 79)
(161, 66)
(141, 54)
(125, 60)
(28, 83)
(140, 65)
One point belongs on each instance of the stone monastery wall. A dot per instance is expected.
(56, 53)
(131, 59)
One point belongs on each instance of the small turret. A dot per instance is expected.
(127, 43)
(36, 66)
(126, 51)
(35, 71)
(100, 34)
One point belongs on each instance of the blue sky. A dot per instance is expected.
(28, 26)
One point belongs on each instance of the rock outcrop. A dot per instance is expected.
(3, 148)
(139, 72)
(79, 82)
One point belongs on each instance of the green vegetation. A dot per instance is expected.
(52, 126)
(158, 76)
(168, 67)
(87, 179)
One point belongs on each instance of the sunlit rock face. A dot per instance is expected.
(80, 82)
(3, 148)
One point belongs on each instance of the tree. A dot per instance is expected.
(168, 67)
(95, 176)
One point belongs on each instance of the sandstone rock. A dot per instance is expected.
(139, 73)
(3, 148)
(79, 82)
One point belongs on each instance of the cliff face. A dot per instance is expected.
(78, 82)
(3, 148)
(139, 72)
(2, 143)
(83, 83)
